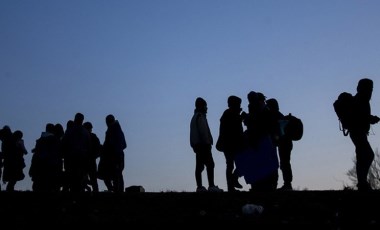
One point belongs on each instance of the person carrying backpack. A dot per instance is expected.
(359, 129)
(284, 145)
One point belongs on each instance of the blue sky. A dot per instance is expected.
(146, 61)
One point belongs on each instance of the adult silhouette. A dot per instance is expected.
(76, 145)
(13, 151)
(230, 140)
(111, 163)
(94, 153)
(201, 142)
(46, 167)
(359, 130)
(258, 162)
(284, 145)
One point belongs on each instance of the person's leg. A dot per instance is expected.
(199, 167)
(10, 186)
(210, 165)
(119, 179)
(93, 176)
(229, 171)
(364, 159)
(109, 185)
(284, 152)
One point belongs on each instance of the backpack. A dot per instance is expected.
(343, 107)
(294, 127)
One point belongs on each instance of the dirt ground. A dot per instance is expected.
(295, 209)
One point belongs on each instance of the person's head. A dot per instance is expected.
(256, 101)
(365, 87)
(50, 128)
(272, 104)
(234, 102)
(79, 118)
(110, 119)
(252, 97)
(58, 130)
(88, 126)
(69, 124)
(200, 105)
(6, 132)
(18, 135)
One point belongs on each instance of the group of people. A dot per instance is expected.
(258, 150)
(255, 145)
(250, 152)
(66, 160)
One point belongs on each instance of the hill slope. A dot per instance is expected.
(305, 209)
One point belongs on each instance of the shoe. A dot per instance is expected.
(201, 189)
(286, 187)
(215, 189)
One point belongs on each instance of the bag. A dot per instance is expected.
(293, 128)
(343, 107)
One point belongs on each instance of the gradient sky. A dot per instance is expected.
(145, 61)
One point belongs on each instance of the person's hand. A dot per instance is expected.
(375, 119)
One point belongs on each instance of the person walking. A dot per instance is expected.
(359, 130)
(230, 140)
(201, 142)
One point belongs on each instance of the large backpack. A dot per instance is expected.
(343, 107)
(294, 127)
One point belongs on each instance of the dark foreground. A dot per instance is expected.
(183, 210)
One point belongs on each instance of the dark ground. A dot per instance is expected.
(293, 209)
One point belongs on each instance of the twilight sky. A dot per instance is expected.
(145, 61)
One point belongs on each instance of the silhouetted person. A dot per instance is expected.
(13, 150)
(65, 178)
(230, 140)
(258, 163)
(111, 163)
(284, 144)
(201, 141)
(92, 167)
(76, 145)
(59, 131)
(46, 166)
(362, 120)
